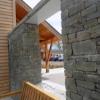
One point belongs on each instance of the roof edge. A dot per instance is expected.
(24, 20)
(56, 33)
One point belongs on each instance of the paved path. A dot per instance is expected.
(55, 75)
(54, 82)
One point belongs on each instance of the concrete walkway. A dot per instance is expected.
(54, 82)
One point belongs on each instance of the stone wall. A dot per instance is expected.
(81, 39)
(24, 54)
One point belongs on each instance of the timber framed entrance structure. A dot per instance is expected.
(48, 36)
(11, 14)
(81, 40)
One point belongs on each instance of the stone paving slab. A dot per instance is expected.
(54, 82)
(54, 88)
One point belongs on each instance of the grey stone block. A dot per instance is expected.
(89, 10)
(98, 86)
(68, 95)
(71, 85)
(91, 23)
(89, 2)
(68, 74)
(98, 5)
(86, 66)
(65, 39)
(83, 35)
(93, 78)
(69, 64)
(93, 58)
(95, 31)
(68, 50)
(66, 12)
(98, 41)
(98, 20)
(67, 4)
(80, 58)
(76, 8)
(98, 71)
(84, 48)
(98, 90)
(86, 84)
(95, 95)
(93, 16)
(70, 29)
(98, 49)
(72, 38)
(79, 75)
(83, 91)
(76, 97)
(74, 19)
(86, 98)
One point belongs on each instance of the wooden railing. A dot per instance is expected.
(31, 92)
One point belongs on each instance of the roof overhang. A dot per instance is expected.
(42, 11)
(23, 4)
(48, 33)
(48, 9)
(22, 9)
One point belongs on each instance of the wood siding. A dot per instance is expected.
(7, 22)
(31, 92)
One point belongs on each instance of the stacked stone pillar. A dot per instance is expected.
(81, 39)
(24, 54)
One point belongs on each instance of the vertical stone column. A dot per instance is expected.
(81, 39)
(25, 59)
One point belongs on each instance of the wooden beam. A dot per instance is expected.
(52, 30)
(48, 41)
(48, 57)
(46, 51)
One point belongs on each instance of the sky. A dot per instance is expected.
(54, 20)
(32, 3)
